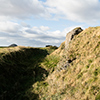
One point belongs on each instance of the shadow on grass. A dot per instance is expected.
(19, 70)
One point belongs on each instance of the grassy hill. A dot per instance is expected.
(20, 68)
(81, 79)
(40, 73)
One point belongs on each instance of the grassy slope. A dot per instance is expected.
(81, 80)
(20, 68)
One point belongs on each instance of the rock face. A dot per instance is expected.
(62, 65)
(71, 35)
(13, 45)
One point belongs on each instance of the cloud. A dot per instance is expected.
(76, 10)
(44, 28)
(21, 8)
(87, 11)
(24, 34)
(43, 35)
(11, 32)
(9, 27)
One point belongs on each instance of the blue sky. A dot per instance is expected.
(41, 22)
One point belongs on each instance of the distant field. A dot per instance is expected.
(3, 46)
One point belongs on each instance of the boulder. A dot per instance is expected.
(71, 35)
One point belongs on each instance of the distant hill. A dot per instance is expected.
(13, 45)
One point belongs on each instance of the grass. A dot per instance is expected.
(97, 97)
(85, 48)
(80, 81)
(20, 68)
(51, 61)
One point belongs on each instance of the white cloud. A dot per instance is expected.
(21, 8)
(45, 36)
(44, 28)
(77, 10)
(11, 32)
(9, 27)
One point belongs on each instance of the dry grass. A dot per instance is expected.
(60, 50)
(20, 68)
(81, 80)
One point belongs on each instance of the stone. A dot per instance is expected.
(62, 65)
(71, 35)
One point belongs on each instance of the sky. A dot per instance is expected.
(38, 23)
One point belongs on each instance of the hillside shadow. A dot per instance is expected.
(19, 70)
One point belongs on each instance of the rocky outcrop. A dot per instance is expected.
(65, 63)
(71, 35)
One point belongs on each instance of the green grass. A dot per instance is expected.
(97, 96)
(79, 75)
(19, 70)
(51, 61)
(87, 66)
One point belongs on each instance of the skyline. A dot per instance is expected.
(44, 22)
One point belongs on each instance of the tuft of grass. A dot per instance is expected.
(51, 61)
(95, 72)
(79, 75)
(87, 66)
(90, 61)
(97, 96)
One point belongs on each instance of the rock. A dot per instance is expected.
(71, 35)
(66, 65)
(13, 45)
(62, 66)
